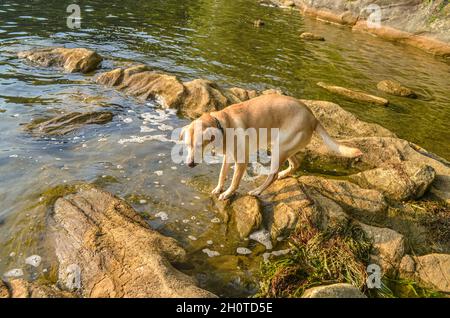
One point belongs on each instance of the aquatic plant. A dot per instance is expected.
(340, 254)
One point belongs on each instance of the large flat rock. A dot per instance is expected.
(105, 249)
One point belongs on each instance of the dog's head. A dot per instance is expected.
(197, 136)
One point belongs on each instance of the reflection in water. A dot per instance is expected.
(213, 39)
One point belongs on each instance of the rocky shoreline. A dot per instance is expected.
(421, 24)
(105, 249)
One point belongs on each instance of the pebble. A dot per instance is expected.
(33, 260)
(192, 238)
(263, 237)
(16, 272)
(142, 201)
(210, 253)
(243, 251)
(209, 242)
(159, 173)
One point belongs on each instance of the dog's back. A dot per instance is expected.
(271, 111)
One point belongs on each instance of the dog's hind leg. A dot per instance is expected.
(274, 168)
(294, 163)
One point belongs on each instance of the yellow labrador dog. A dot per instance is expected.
(267, 116)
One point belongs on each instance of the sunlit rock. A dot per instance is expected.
(71, 59)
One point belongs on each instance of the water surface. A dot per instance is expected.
(211, 39)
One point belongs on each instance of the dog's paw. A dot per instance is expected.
(217, 190)
(254, 193)
(225, 195)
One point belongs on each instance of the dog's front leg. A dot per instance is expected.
(222, 176)
(239, 169)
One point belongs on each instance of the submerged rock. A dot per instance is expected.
(33, 260)
(259, 23)
(341, 290)
(311, 37)
(105, 249)
(395, 88)
(71, 59)
(354, 95)
(398, 182)
(67, 123)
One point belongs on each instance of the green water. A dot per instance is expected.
(212, 39)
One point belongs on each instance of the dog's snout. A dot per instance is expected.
(191, 164)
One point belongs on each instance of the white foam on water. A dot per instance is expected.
(145, 129)
(165, 127)
(128, 120)
(210, 253)
(243, 251)
(263, 237)
(16, 272)
(215, 220)
(162, 215)
(33, 260)
(159, 117)
(142, 139)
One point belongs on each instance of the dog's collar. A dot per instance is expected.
(219, 125)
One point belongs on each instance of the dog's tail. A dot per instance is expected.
(336, 147)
